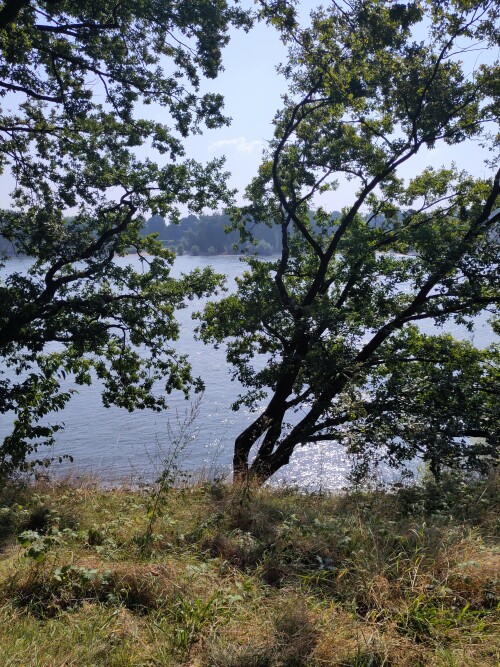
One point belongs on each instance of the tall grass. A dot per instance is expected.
(235, 578)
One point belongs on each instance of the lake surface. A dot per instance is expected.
(120, 446)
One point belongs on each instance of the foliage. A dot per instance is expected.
(339, 315)
(72, 77)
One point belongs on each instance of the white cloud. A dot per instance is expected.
(240, 144)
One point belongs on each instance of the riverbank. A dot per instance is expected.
(207, 575)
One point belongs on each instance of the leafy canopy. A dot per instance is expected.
(339, 314)
(75, 80)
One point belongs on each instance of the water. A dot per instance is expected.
(118, 445)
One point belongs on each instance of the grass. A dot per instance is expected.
(252, 578)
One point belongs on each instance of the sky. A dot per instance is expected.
(252, 90)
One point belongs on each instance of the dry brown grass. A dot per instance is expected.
(250, 578)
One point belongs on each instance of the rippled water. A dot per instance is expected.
(118, 445)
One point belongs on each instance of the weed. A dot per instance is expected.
(191, 616)
(179, 437)
(426, 619)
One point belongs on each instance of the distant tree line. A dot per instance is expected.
(6, 247)
(212, 235)
(208, 234)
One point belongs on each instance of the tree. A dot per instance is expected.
(155, 225)
(338, 315)
(72, 75)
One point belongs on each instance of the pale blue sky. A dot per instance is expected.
(252, 91)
